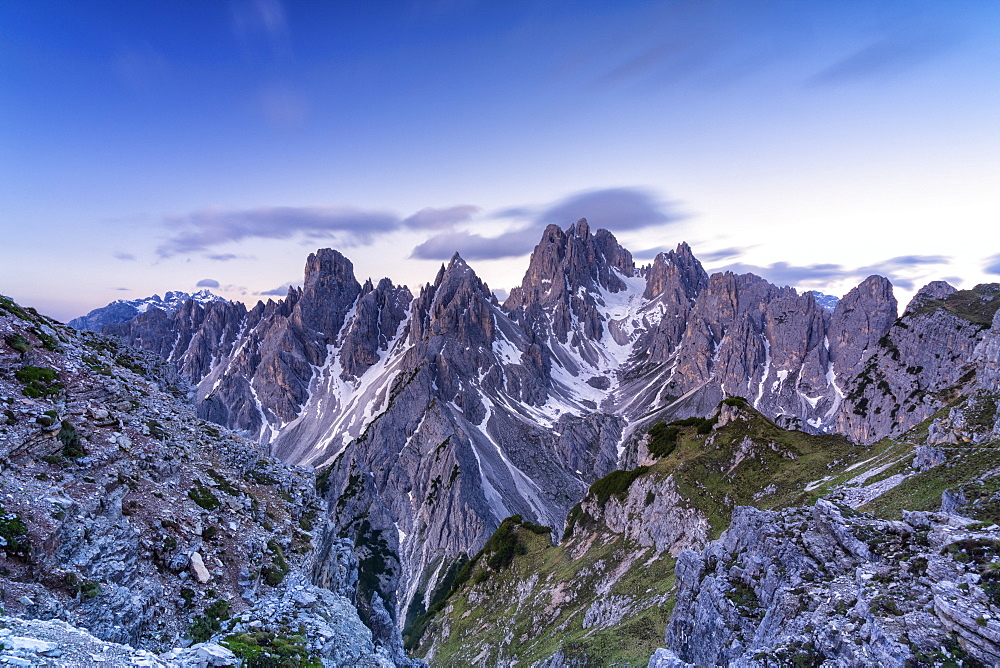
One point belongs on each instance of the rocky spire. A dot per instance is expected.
(328, 292)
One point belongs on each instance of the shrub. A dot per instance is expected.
(90, 590)
(72, 445)
(265, 649)
(663, 439)
(13, 535)
(503, 545)
(204, 627)
(274, 573)
(615, 483)
(18, 343)
(38, 381)
(203, 496)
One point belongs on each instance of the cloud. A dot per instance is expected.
(226, 257)
(280, 291)
(202, 230)
(207, 283)
(123, 289)
(992, 264)
(256, 20)
(885, 58)
(721, 254)
(438, 219)
(128, 257)
(611, 208)
(896, 269)
(477, 247)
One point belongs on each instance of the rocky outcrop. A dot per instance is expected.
(919, 365)
(811, 585)
(126, 514)
(976, 419)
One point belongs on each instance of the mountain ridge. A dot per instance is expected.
(470, 409)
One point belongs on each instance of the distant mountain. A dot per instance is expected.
(123, 310)
(827, 302)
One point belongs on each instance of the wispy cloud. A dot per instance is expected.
(611, 208)
(279, 291)
(203, 230)
(226, 257)
(721, 254)
(256, 20)
(887, 57)
(121, 255)
(992, 264)
(207, 283)
(438, 219)
(477, 247)
(897, 269)
(616, 209)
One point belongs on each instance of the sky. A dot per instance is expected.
(148, 146)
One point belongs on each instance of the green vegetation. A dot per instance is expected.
(222, 483)
(417, 618)
(48, 418)
(207, 625)
(615, 483)
(503, 545)
(49, 342)
(70, 439)
(90, 589)
(38, 381)
(8, 305)
(266, 649)
(275, 572)
(662, 439)
(922, 490)
(976, 305)
(752, 461)
(17, 342)
(203, 496)
(509, 623)
(14, 535)
(323, 480)
(375, 561)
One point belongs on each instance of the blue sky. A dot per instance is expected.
(152, 146)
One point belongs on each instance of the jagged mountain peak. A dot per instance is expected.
(677, 271)
(930, 292)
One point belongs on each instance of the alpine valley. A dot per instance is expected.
(619, 465)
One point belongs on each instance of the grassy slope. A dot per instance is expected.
(536, 606)
(511, 613)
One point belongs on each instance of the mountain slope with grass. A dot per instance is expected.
(632, 560)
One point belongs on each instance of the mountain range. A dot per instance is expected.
(436, 415)
(126, 309)
(641, 413)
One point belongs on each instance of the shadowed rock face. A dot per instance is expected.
(440, 414)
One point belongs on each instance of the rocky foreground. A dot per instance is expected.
(131, 520)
